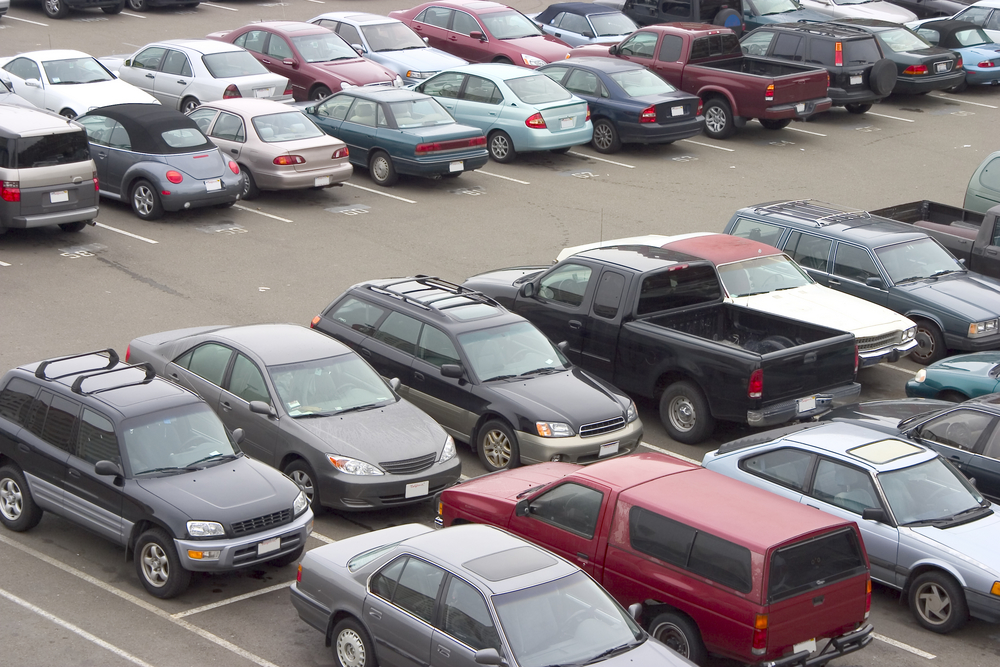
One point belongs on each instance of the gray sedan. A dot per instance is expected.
(464, 596)
(312, 408)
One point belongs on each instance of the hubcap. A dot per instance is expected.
(380, 167)
(499, 147)
(155, 566)
(496, 448)
(304, 481)
(190, 105)
(52, 6)
(682, 414)
(673, 638)
(602, 136)
(715, 119)
(925, 344)
(11, 501)
(143, 199)
(246, 184)
(350, 649)
(934, 604)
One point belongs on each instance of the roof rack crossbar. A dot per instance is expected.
(77, 387)
(843, 215)
(783, 204)
(454, 289)
(112, 362)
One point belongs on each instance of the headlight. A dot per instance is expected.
(300, 504)
(412, 74)
(986, 328)
(353, 466)
(631, 415)
(205, 529)
(398, 82)
(345, 86)
(553, 429)
(909, 333)
(532, 61)
(448, 452)
(920, 376)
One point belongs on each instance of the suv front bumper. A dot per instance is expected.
(786, 411)
(244, 551)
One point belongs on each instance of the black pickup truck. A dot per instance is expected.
(653, 323)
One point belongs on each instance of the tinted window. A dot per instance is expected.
(715, 45)
(961, 428)
(436, 16)
(418, 588)
(229, 127)
(756, 230)
(721, 561)
(854, 263)
(482, 90)
(359, 315)
(844, 486)
(208, 361)
(609, 294)
(757, 43)
(247, 382)
(861, 51)
(383, 584)
(678, 288)
(788, 467)
(278, 48)
(811, 252)
(15, 400)
(465, 24)
(98, 441)
(232, 64)
(573, 507)
(436, 348)
(789, 47)
(50, 150)
(660, 537)
(400, 332)
(36, 413)
(176, 63)
(809, 565)
(681, 8)
(821, 51)
(444, 85)
(565, 285)
(61, 422)
(670, 48)
(467, 618)
(149, 59)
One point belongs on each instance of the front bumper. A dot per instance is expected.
(536, 449)
(983, 606)
(966, 344)
(281, 179)
(837, 647)
(660, 133)
(916, 389)
(243, 551)
(915, 85)
(890, 353)
(365, 492)
(808, 108)
(786, 411)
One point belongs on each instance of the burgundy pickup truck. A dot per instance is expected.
(717, 566)
(706, 60)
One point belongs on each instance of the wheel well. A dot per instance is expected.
(4, 460)
(671, 377)
(923, 569)
(288, 459)
(653, 608)
(485, 417)
(335, 618)
(460, 522)
(952, 395)
(138, 529)
(318, 84)
(503, 59)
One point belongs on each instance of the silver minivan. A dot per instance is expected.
(46, 174)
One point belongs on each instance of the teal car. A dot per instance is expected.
(958, 378)
(519, 109)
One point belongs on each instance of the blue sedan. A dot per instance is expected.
(519, 109)
(628, 103)
(980, 56)
(391, 131)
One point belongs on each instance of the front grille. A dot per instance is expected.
(261, 523)
(600, 428)
(409, 466)
(379, 83)
(867, 343)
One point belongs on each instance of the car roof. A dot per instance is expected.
(608, 65)
(277, 344)
(687, 27)
(53, 54)
(360, 18)
(23, 121)
(463, 308)
(987, 3)
(948, 27)
(473, 5)
(383, 93)
(840, 29)
(146, 123)
(875, 25)
(290, 27)
(251, 106)
(203, 46)
(838, 220)
(721, 248)
(498, 70)
(639, 258)
(579, 8)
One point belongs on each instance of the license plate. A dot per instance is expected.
(59, 196)
(941, 67)
(676, 111)
(457, 165)
(269, 546)
(805, 646)
(321, 181)
(856, 80)
(213, 185)
(608, 449)
(567, 123)
(799, 108)
(263, 92)
(416, 489)
(805, 404)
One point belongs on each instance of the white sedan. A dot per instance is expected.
(860, 9)
(69, 83)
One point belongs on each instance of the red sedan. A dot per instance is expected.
(315, 59)
(483, 32)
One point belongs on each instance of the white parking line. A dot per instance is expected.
(322, 538)
(238, 598)
(228, 9)
(506, 178)
(799, 129)
(600, 159)
(14, 18)
(882, 115)
(955, 99)
(731, 150)
(4, 264)
(135, 16)
(318, 2)
(266, 215)
(122, 231)
(384, 194)
(72, 628)
(897, 369)
(669, 453)
(905, 647)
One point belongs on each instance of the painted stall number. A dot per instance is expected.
(583, 174)
(782, 143)
(474, 191)
(355, 209)
(868, 128)
(76, 252)
(684, 158)
(229, 229)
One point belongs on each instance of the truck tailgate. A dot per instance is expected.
(808, 369)
(793, 88)
(829, 611)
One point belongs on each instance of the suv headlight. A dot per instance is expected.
(909, 333)
(448, 452)
(532, 61)
(205, 529)
(351, 466)
(553, 429)
(300, 504)
(977, 329)
(630, 414)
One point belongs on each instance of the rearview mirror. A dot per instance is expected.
(452, 370)
(874, 514)
(108, 468)
(238, 435)
(427, 40)
(262, 408)
(563, 346)
(475, 34)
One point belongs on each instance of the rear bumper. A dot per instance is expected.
(842, 97)
(920, 84)
(987, 78)
(890, 354)
(295, 180)
(310, 611)
(659, 133)
(837, 647)
(544, 140)
(809, 107)
(60, 217)
(786, 411)
(441, 164)
(536, 449)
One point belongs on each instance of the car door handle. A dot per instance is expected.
(375, 613)
(556, 34)
(575, 324)
(150, 76)
(21, 447)
(833, 281)
(73, 472)
(226, 406)
(182, 82)
(418, 376)
(266, 62)
(991, 252)
(443, 651)
(365, 352)
(812, 506)
(453, 38)
(234, 151)
(581, 556)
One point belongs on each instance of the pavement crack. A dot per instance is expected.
(135, 276)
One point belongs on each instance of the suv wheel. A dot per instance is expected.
(718, 118)
(55, 9)
(685, 413)
(497, 446)
(18, 510)
(857, 108)
(138, 5)
(158, 566)
(938, 603)
(679, 633)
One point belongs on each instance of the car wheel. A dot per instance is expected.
(381, 169)
(938, 603)
(775, 124)
(679, 633)
(351, 645)
(685, 413)
(501, 147)
(957, 89)
(300, 473)
(138, 5)
(930, 344)
(882, 78)
(497, 446)
(189, 104)
(145, 202)
(68, 113)
(158, 566)
(72, 226)
(55, 9)
(18, 510)
(858, 108)
(249, 185)
(287, 559)
(606, 138)
(114, 9)
(718, 118)
(319, 93)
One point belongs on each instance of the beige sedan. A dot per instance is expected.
(276, 146)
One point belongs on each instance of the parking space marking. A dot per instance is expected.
(600, 159)
(882, 115)
(322, 538)
(135, 16)
(228, 9)
(905, 647)
(384, 194)
(898, 369)
(318, 2)
(721, 148)
(4, 264)
(122, 231)
(506, 178)
(669, 453)
(75, 629)
(227, 601)
(798, 129)
(253, 210)
(14, 18)
(955, 99)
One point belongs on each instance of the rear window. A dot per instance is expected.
(287, 126)
(538, 89)
(861, 52)
(715, 46)
(813, 564)
(184, 137)
(232, 64)
(678, 288)
(45, 151)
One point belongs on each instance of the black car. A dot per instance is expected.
(921, 67)
(628, 103)
(144, 463)
(488, 376)
(859, 75)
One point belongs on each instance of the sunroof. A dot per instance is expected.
(510, 563)
(884, 451)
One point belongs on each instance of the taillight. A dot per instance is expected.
(760, 634)
(427, 148)
(454, 144)
(769, 93)
(588, 114)
(233, 167)
(700, 105)
(341, 152)
(959, 63)
(128, 353)
(916, 69)
(986, 63)
(827, 79)
(648, 115)
(755, 388)
(856, 359)
(535, 121)
(868, 595)
(288, 90)
(11, 191)
(231, 92)
(97, 183)
(838, 54)
(174, 176)
(312, 325)
(298, 574)
(285, 160)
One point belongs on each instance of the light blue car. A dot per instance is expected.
(518, 109)
(928, 532)
(390, 43)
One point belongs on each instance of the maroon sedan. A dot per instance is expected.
(315, 59)
(483, 32)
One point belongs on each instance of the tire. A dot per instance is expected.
(718, 118)
(606, 139)
(882, 78)
(685, 413)
(158, 566)
(957, 89)
(73, 226)
(681, 634)
(287, 559)
(497, 446)
(55, 9)
(382, 170)
(68, 113)
(930, 344)
(300, 473)
(18, 511)
(319, 93)
(138, 5)
(144, 200)
(114, 9)
(858, 108)
(938, 602)
(731, 19)
(250, 189)
(351, 645)
(189, 104)
(775, 124)
(501, 147)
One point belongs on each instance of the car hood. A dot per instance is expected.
(502, 284)
(357, 71)
(790, 17)
(546, 47)
(975, 540)
(883, 11)
(967, 295)
(887, 413)
(94, 95)
(572, 396)
(590, 50)
(421, 60)
(509, 483)
(976, 363)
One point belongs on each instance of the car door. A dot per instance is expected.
(120, 158)
(42, 459)
(480, 103)
(432, 24)
(450, 401)
(23, 70)
(986, 463)
(560, 305)
(464, 626)
(276, 53)
(811, 252)
(262, 436)
(600, 341)
(174, 79)
(639, 48)
(96, 501)
(330, 114)
(445, 88)
(229, 134)
(202, 370)
(358, 129)
(668, 63)
(463, 45)
(141, 71)
(392, 346)
(956, 435)
(856, 273)
(571, 28)
(399, 610)
(98, 130)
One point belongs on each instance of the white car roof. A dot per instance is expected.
(654, 240)
(53, 54)
(198, 45)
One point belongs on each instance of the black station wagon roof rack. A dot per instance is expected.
(829, 27)
(813, 211)
(112, 362)
(434, 290)
(147, 368)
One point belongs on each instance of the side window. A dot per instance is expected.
(335, 107)
(574, 23)
(757, 43)
(465, 24)
(854, 263)
(36, 413)
(700, 48)
(721, 561)
(418, 588)
(208, 361)
(278, 48)
(98, 128)
(994, 21)
(400, 332)
(756, 230)
(61, 423)
(678, 288)
(15, 400)
(680, 8)
(556, 73)
(584, 82)
(149, 59)
(573, 507)
(444, 85)
(555, 21)
(821, 52)
(670, 48)
(660, 537)
(383, 584)
(329, 24)
(436, 348)
(247, 382)
(362, 113)
(961, 428)
(977, 15)
(844, 486)
(479, 89)
(641, 44)
(932, 36)
(380, 117)
(350, 34)
(359, 315)
(254, 41)
(992, 448)
(565, 285)
(436, 16)
(608, 298)
(98, 441)
(811, 252)
(119, 138)
(203, 117)
(23, 69)
(789, 47)
(467, 618)
(788, 467)
(176, 63)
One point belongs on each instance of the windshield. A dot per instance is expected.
(392, 37)
(930, 491)
(231, 64)
(853, 2)
(178, 439)
(639, 82)
(510, 351)
(419, 113)
(570, 621)
(972, 37)
(611, 24)
(324, 387)
(75, 70)
(901, 40)
(762, 275)
(917, 260)
(509, 25)
(538, 89)
(323, 48)
(287, 126)
(768, 7)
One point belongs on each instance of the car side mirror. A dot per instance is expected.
(972, 481)
(311, 110)
(427, 40)
(33, 83)
(127, 63)
(360, 48)
(874, 281)
(527, 290)
(635, 611)
(108, 468)
(874, 514)
(961, 260)
(488, 656)
(522, 508)
(262, 408)
(394, 383)
(291, 62)
(613, 50)
(475, 34)
(563, 346)
(238, 435)
(587, 33)
(452, 371)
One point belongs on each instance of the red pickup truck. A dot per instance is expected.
(718, 566)
(706, 60)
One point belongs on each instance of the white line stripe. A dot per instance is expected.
(905, 647)
(318, 2)
(122, 231)
(384, 194)
(72, 628)
(895, 368)
(731, 150)
(46, 25)
(322, 538)
(253, 210)
(135, 16)
(669, 453)
(238, 598)
(228, 9)
(797, 129)
(600, 159)
(463, 478)
(955, 99)
(506, 178)
(139, 602)
(882, 115)
(4, 264)
(134, 46)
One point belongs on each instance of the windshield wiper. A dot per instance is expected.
(544, 370)
(628, 646)
(945, 272)
(361, 408)
(213, 457)
(165, 469)
(499, 377)
(527, 491)
(912, 279)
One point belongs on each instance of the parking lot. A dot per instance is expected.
(70, 598)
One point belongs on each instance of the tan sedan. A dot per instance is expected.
(276, 146)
